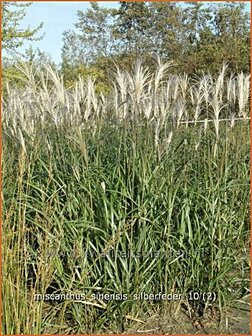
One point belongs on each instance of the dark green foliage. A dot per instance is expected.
(109, 214)
(197, 37)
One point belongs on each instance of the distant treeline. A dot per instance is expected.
(195, 36)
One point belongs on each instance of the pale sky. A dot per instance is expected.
(57, 17)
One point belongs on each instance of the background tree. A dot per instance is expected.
(166, 29)
(131, 28)
(148, 29)
(87, 48)
(13, 36)
(196, 20)
(232, 25)
(92, 39)
(197, 37)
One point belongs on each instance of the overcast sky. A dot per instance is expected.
(57, 17)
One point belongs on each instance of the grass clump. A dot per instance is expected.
(122, 206)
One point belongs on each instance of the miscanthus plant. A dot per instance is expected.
(144, 190)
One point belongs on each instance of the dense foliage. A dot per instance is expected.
(195, 36)
(103, 195)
